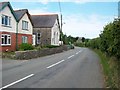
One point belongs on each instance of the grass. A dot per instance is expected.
(110, 69)
(8, 55)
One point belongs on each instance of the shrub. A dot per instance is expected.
(79, 44)
(26, 46)
(38, 47)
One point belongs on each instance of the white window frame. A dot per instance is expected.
(24, 25)
(24, 39)
(4, 22)
(8, 41)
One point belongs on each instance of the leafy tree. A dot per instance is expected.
(83, 39)
(109, 40)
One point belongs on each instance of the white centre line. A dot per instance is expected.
(17, 81)
(55, 64)
(77, 52)
(80, 51)
(71, 56)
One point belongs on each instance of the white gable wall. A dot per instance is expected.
(55, 34)
(6, 11)
(30, 27)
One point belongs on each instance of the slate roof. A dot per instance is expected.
(2, 4)
(20, 13)
(44, 21)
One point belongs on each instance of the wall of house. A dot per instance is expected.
(30, 27)
(12, 28)
(55, 36)
(20, 38)
(45, 38)
(28, 33)
(33, 40)
(11, 47)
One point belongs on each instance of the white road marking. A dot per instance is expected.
(77, 53)
(17, 81)
(80, 51)
(55, 64)
(71, 56)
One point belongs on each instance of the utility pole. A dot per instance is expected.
(118, 9)
(60, 19)
(61, 22)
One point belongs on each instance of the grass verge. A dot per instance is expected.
(9, 55)
(111, 70)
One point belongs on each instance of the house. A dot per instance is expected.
(15, 27)
(79, 40)
(7, 27)
(24, 27)
(46, 29)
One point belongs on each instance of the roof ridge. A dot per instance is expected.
(44, 14)
(20, 10)
(4, 2)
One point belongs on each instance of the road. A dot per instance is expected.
(76, 68)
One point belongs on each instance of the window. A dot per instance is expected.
(24, 39)
(6, 20)
(6, 39)
(24, 25)
(38, 38)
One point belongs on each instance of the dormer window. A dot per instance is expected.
(24, 25)
(6, 20)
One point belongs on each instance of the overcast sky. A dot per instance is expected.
(82, 18)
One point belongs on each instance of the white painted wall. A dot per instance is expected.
(6, 11)
(34, 40)
(55, 34)
(30, 27)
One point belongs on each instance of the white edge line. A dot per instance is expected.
(17, 81)
(55, 64)
(71, 56)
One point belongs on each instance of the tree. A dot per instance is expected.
(109, 40)
(83, 39)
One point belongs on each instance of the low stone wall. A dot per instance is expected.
(24, 55)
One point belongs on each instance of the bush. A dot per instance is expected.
(109, 40)
(26, 46)
(38, 47)
(79, 44)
